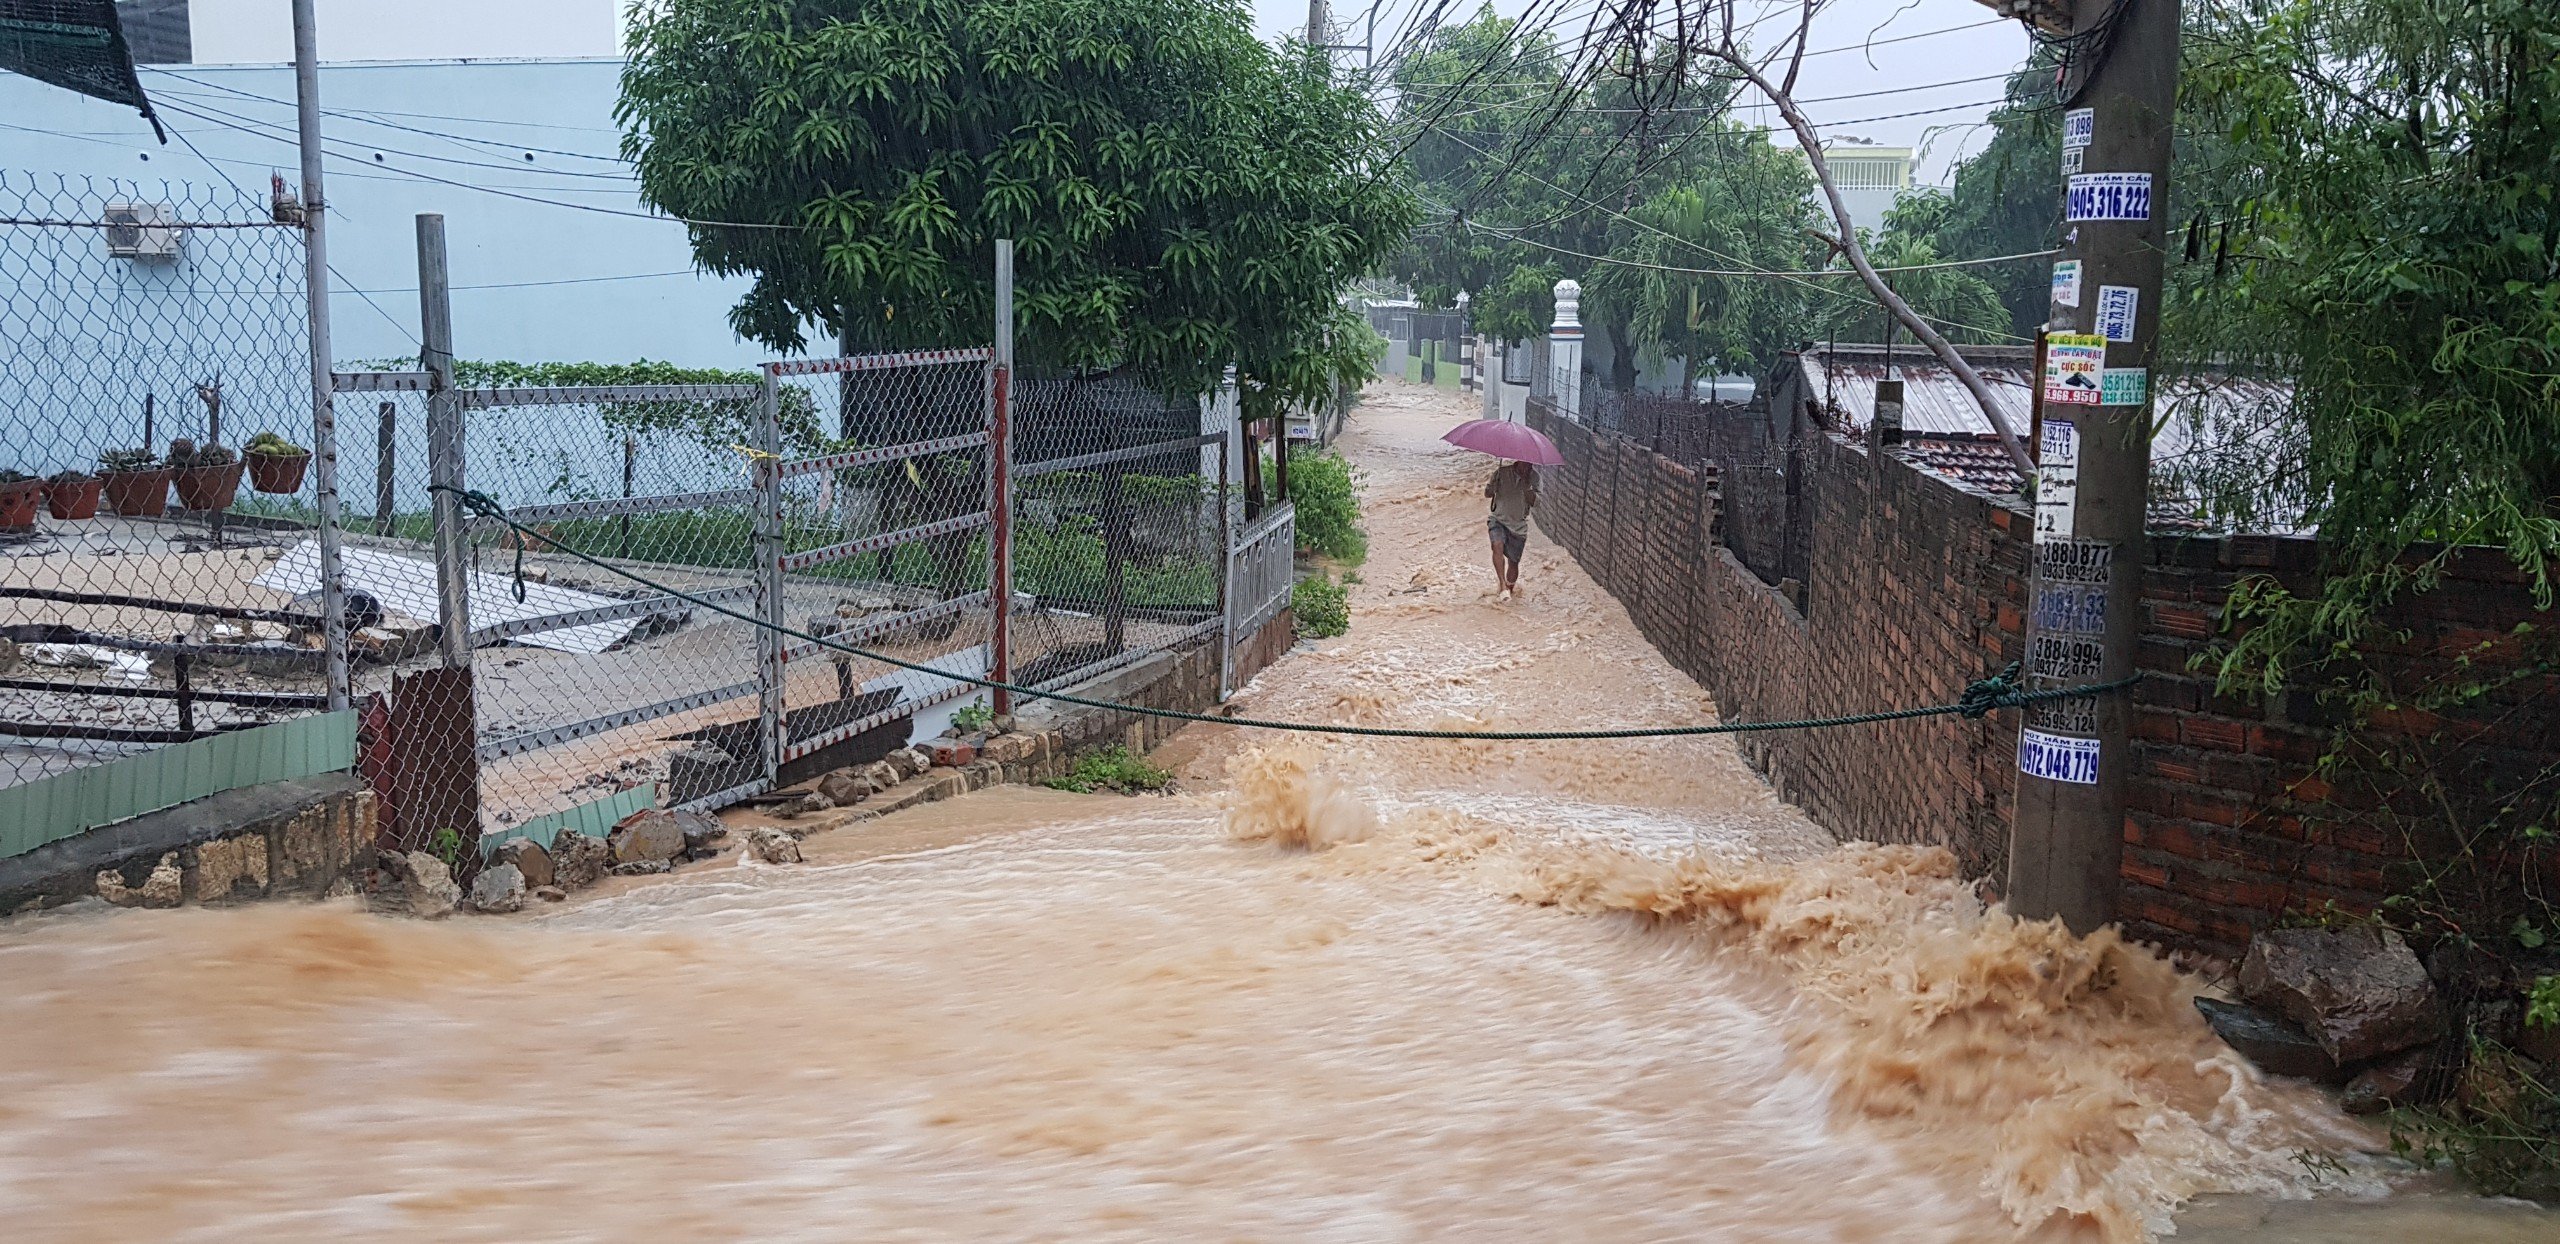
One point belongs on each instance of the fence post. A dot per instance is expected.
(1000, 484)
(1226, 567)
(444, 445)
(324, 419)
(771, 703)
(1564, 350)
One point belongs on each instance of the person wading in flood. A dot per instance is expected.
(1514, 491)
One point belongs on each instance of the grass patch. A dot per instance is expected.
(1112, 768)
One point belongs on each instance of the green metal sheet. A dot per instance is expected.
(594, 819)
(51, 809)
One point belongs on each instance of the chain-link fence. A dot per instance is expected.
(885, 544)
(156, 366)
(1119, 524)
(155, 484)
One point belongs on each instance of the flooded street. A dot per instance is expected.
(1346, 990)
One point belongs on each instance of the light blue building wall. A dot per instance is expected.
(533, 280)
(552, 258)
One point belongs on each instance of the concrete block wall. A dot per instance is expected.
(291, 839)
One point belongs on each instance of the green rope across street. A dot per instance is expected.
(1984, 695)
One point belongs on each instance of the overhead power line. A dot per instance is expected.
(504, 194)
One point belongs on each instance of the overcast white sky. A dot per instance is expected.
(1850, 90)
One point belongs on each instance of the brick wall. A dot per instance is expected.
(2227, 823)
(1917, 584)
(1919, 589)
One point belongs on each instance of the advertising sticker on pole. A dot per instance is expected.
(2108, 196)
(2066, 283)
(2057, 481)
(2072, 362)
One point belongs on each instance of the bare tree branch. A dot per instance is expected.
(1806, 136)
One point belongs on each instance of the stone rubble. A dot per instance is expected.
(773, 846)
(498, 890)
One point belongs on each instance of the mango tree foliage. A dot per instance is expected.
(1180, 195)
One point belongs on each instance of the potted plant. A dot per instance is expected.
(72, 495)
(136, 482)
(19, 493)
(208, 478)
(275, 464)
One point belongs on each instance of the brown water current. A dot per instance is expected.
(1349, 991)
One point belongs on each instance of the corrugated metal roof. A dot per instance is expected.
(1935, 403)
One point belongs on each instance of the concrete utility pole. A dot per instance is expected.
(324, 419)
(2067, 842)
(1315, 24)
(444, 444)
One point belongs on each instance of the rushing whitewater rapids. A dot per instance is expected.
(1442, 990)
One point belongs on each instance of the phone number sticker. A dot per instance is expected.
(2058, 757)
(2108, 196)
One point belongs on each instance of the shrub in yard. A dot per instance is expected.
(1321, 606)
(1326, 493)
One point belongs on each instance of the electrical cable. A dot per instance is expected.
(1980, 698)
(507, 194)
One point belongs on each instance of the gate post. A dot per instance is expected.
(771, 670)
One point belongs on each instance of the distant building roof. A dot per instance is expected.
(2215, 429)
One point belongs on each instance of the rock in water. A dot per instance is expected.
(845, 787)
(428, 886)
(642, 837)
(2358, 991)
(498, 889)
(702, 834)
(578, 859)
(2275, 1045)
(530, 859)
(642, 868)
(550, 893)
(772, 846)
(2409, 1078)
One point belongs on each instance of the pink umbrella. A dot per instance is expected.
(1516, 441)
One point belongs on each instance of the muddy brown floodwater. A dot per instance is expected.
(1339, 991)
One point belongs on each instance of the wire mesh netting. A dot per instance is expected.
(1118, 522)
(589, 685)
(154, 375)
(884, 544)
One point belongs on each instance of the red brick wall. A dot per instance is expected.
(1919, 590)
(1918, 585)
(2227, 823)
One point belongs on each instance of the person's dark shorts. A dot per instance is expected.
(1513, 542)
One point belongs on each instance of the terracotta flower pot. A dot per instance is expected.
(138, 494)
(75, 500)
(208, 488)
(18, 502)
(277, 473)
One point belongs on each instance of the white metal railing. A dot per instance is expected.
(1260, 571)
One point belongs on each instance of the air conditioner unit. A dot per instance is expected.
(141, 231)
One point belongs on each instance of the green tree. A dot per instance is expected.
(1751, 209)
(1534, 158)
(1181, 195)
(1960, 301)
(2388, 235)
